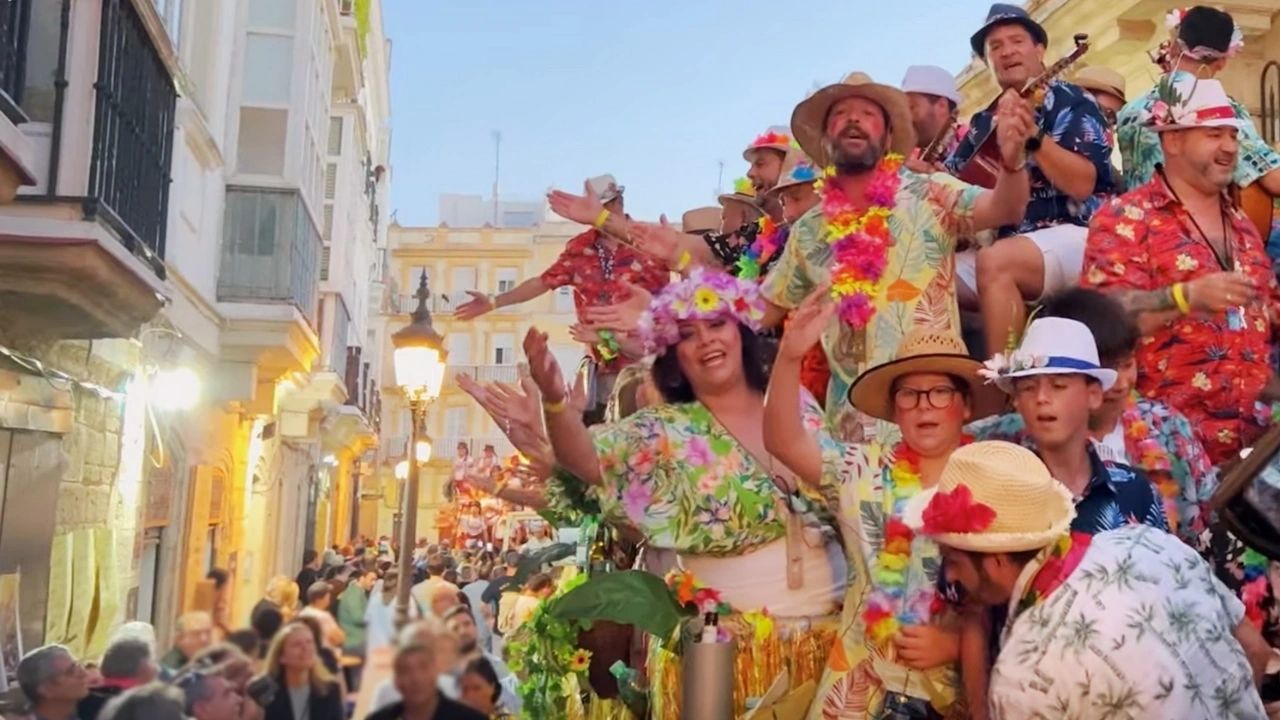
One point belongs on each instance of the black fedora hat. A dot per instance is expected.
(1002, 14)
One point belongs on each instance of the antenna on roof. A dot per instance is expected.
(497, 168)
(719, 179)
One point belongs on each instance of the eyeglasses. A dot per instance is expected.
(940, 397)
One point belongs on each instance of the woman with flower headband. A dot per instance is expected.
(694, 476)
(899, 646)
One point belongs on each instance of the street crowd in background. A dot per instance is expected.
(923, 422)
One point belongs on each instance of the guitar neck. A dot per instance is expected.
(1049, 75)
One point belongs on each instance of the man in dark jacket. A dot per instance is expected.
(417, 674)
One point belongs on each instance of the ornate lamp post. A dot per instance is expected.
(419, 359)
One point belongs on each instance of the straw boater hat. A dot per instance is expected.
(606, 188)
(743, 193)
(1051, 346)
(809, 121)
(993, 497)
(1097, 79)
(923, 350)
(797, 169)
(1192, 103)
(700, 220)
(777, 137)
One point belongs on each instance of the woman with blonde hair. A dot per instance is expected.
(307, 688)
(282, 594)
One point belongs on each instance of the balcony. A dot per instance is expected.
(482, 373)
(268, 280)
(81, 253)
(445, 449)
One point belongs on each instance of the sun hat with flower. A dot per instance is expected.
(797, 169)
(1051, 346)
(704, 295)
(993, 497)
(777, 137)
(1190, 102)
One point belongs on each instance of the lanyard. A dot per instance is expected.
(1225, 260)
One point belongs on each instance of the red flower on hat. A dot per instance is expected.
(771, 138)
(956, 512)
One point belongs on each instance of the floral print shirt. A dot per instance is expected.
(1211, 367)
(1073, 119)
(597, 275)
(858, 673)
(1139, 629)
(1159, 441)
(678, 476)
(1140, 145)
(917, 288)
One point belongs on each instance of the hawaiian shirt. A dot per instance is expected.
(857, 477)
(917, 288)
(1159, 441)
(1140, 145)
(1073, 119)
(1139, 629)
(597, 276)
(679, 477)
(1211, 367)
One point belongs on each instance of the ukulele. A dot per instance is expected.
(984, 166)
(936, 151)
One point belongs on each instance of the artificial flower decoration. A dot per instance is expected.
(695, 596)
(1003, 364)
(743, 186)
(580, 661)
(956, 512)
(1173, 21)
(757, 255)
(705, 295)
(770, 139)
(859, 239)
(1170, 108)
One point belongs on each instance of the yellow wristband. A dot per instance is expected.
(685, 259)
(601, 219)
(1179, 292)
(557, 407)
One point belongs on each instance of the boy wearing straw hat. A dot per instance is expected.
(1126, 623)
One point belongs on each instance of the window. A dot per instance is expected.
(335, 136)
(455, 422)
(564, 299)
(504, 349)
(506, 279)
(171, 11)
(330, 180)
(211, 549)
(459, 348)
(268, 63)
(276, 14)
(262, 140)
(461, 279)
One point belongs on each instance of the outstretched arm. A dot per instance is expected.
(784, 434)
(481, 303)
(574, 448)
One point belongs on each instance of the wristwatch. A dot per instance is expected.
(1034, 142)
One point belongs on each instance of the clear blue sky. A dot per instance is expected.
(654, 92)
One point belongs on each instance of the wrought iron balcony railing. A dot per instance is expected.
(15, 23)
(270, 250)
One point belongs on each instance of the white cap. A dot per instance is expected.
(930, 80)
(606, 187)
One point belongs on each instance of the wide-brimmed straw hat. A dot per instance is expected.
(923, 350)
(809, 121)
(743, 193)
(1051, 346)
(777, 137)
(797, 169)
(700, 220)
(1098, 79)
(993, 497)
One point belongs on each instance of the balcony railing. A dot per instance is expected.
(270, 250)
(482, 373)
(15, 21)
(362, 388)
(133, 121)
(445, 449)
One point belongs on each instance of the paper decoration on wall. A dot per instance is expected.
(108, 588)
(55, 621)
(84, 583)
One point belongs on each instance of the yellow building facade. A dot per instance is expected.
(487, 348)
(1121, 32)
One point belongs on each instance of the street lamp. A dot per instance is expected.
(419, 359)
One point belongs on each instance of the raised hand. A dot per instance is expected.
(584, 208)
(1015, 124)
(1219, 291)
(584, 333)
(804, 328)
(660, 240)
(478, 305)
(622, 316)
(543, 366)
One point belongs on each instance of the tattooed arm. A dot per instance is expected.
(1148, 308)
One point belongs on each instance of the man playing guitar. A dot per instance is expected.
(1070, 170)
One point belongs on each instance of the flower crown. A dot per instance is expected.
(704, 295)
(1173, 21)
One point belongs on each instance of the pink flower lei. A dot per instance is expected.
(860, 240)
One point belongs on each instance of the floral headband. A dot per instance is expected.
(704, 295)
(1173, 21)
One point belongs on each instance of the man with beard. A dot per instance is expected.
(932, 93)
(461, 622)
(883, 237)
(1192, 270)
(1070, 171)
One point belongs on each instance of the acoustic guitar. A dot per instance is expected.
(936, 151)
(1258, 205)
(984, 166)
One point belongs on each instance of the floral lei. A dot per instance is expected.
(888, 608)
(859, 240)
(758, 254)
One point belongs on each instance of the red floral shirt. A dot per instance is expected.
(596, 274)
(1213, 374)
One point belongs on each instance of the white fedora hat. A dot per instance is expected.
(930, 80)
(1051, 346)
(606, 188)
(1192, 102)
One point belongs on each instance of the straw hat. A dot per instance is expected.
(743, 193)
(700, 220)
(797, 169)
(923, 350)
(777, 137)
(809, 121)
(993, 497)
(606, 187)
(1098, 79)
